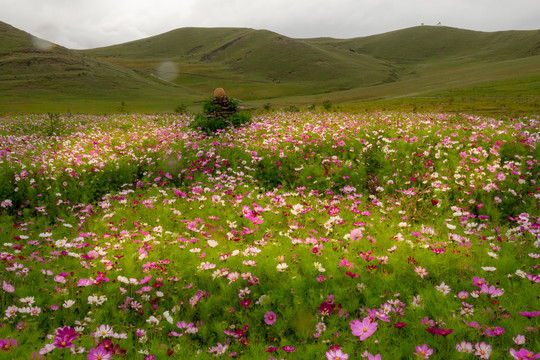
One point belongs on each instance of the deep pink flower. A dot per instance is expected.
(529, 314)
(270, 318)
(364, 328)
(64, 337)
(99, 353)
(524, 354)
(245, 303)
(436, 331)
(8, 344)
(288, 349)
(271, 349)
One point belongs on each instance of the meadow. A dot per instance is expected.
(305, 235)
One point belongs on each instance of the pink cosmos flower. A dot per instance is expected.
(7, 287)
(529, 314)
(465, 347)
(288, 349)
(270, 318)
(8, 344)
(374, 357)
(479, 281)
(421, 271)
(337, 354)
(423, 351)
(346, 263)
(523, 354)
(483, 350)
(356, 234)
(99, 353)
(363, 329)
(519, 339)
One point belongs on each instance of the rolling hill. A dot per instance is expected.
(36, 75)
(259, 66)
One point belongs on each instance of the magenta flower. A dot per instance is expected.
(288, 349)
(529, 314)
(64, 337)
(336, 354)
(494, 331)
(99, 353)
(479, 281)
(8, 344)
(374, 357)
(270, 318)
(523, 354)
(363, 329)
(423, 351)
(436, 331)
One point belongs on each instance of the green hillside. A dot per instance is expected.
(39, 76)
(255, 63)
(424, 66)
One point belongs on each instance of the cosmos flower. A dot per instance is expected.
(64, 337)
(99, 353)
(364, 328)
(337, 354)
(483, 350)
(423, 351)
(269, 318)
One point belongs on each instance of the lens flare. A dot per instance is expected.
(167, 70)
(40, 44)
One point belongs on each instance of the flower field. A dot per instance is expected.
(300, 236)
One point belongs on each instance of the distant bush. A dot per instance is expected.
(292, 108)
(327, 105)
(209, 123)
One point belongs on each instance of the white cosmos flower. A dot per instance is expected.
(282, 266)
(153, 320)
(168, 317)
(68, 303)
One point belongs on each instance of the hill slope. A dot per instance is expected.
(259, 66)
(257, 63)
(36, 74)
(262, 64)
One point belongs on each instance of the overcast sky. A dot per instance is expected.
(83, 24)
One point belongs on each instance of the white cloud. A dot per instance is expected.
(84, 24)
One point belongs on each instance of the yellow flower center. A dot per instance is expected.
(103, 333)
(63, 343)
(364, 330)
(482, 352)
(422, 353)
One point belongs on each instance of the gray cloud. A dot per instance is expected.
(85, 24)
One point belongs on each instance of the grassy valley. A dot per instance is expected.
(424, 67)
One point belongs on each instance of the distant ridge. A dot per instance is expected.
(260, 65)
